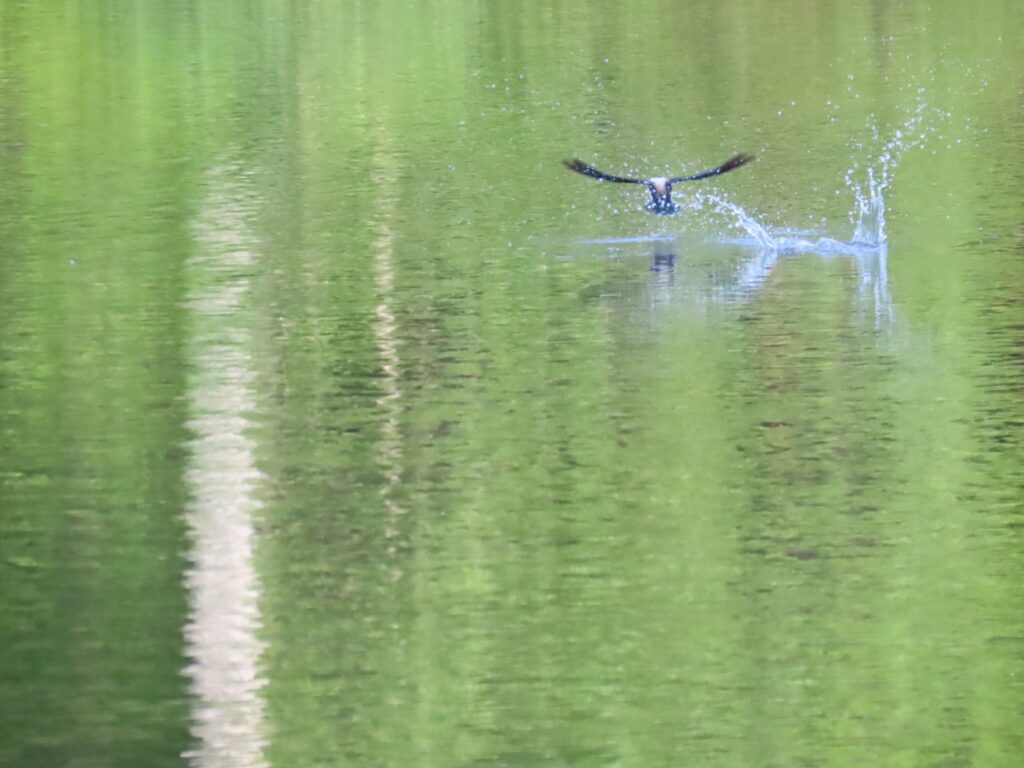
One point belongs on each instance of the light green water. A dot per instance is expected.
(340, 425)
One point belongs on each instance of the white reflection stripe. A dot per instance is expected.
(224, 589)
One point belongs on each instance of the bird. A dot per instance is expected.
(660, 187)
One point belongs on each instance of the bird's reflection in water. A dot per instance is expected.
(663, 272)
(705, 281)
(664, 257)
(728, 274)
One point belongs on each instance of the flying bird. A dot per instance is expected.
(660, 187)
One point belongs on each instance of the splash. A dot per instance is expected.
(869, 188)
(868, 234)
(868, 216)
(868, 245)
(778, 240)
(870, 256)
(869, 225)
(742, 219)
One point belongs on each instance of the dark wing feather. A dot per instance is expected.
(588, 170)
(731, 164)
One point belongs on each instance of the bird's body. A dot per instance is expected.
(660, 187)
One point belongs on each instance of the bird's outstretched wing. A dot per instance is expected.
(731, 164)
(588, 170)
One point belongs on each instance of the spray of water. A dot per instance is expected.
(868, 245)
(868, 215)
(868, 186)
(743, 220)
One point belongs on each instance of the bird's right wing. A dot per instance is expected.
(731, 164)
(588, 170)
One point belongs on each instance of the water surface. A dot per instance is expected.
(340, 425)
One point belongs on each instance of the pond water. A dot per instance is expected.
(340, 424)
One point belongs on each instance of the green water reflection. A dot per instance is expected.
(340, 425)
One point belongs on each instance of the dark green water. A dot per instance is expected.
(341, 426)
